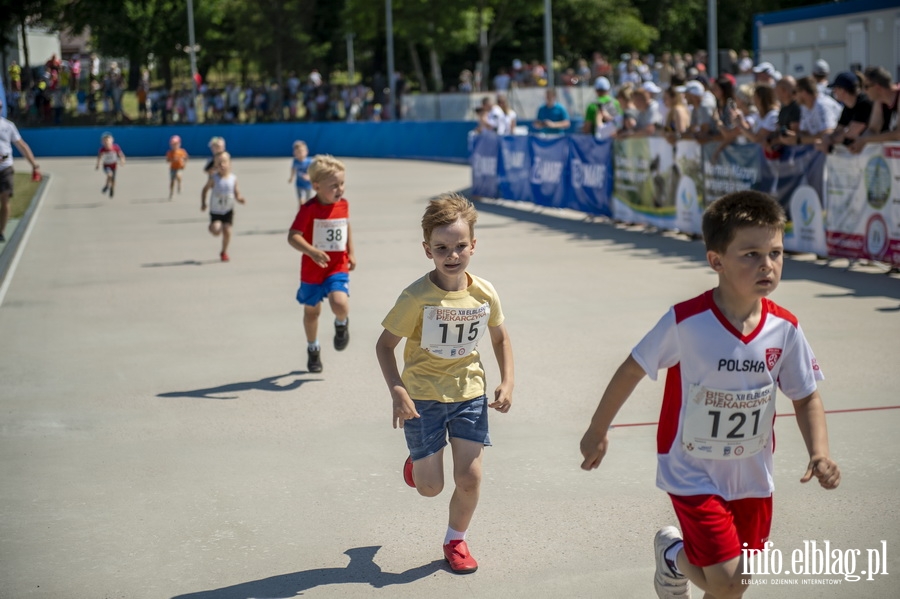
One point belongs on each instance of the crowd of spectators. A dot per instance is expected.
(674, 97)
(59, 94)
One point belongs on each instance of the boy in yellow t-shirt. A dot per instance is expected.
(442, 391)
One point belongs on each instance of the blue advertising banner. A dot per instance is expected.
(485, 178)
(550, 158)
(590, 180)
(796, 180)
(515, 168)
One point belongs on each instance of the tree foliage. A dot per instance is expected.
(433, 39)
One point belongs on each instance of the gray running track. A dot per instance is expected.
(160, 438)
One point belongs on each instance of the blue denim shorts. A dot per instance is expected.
(311, 294)
(427, 434)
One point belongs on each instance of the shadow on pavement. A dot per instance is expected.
(361, 570)
(653, 244)
(74, 206)
(180, 263)
(265, 384)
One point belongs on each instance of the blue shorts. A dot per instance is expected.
(110, 169)
(427, 434)
(311, 294)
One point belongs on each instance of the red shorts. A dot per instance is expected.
(715, 530)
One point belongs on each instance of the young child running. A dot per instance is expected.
(110, 155)
(321, 231)
(299, 171)
(223, 184)
(725, 352)
(442, 391)
(177, 157)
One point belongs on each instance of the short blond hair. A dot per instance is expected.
(446, 209)
(324, 166)
(300, 144)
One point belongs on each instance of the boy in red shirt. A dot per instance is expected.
(321, 231)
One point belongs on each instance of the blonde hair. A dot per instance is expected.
(324, 166)
(300, 144)
(446, 209)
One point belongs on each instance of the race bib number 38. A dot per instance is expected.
(453, 332)
(728, 425)
(330, 235)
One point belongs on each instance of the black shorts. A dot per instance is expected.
(226, 218)
(6, 181)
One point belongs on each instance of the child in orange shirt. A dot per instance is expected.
(177, 158)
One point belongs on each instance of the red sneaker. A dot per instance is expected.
(224, 257)
(407, 473)
(461, 561)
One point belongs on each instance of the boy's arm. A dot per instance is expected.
(203, 192)
(293, 173)
(404, 408)
(811, 420)
(122, 156)
(503, 351)
(237, 194)
(97, 166)
(295, 239)
(594, 443)
(351, 256)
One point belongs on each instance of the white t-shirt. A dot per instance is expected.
(222, 199)
(715, 428)
(823, 116)
(9, 134)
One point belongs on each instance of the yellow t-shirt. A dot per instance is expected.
(442, 330)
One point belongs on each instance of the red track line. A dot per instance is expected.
(776, 415)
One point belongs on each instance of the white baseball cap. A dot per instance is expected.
(652, 87)
(765, 67)
(694, 88)
(602, 83)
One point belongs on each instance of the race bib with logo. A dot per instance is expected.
(728, 425)
(452, 333)
(330, 235)
(221, 203)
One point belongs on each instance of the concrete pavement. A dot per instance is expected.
(160, 436)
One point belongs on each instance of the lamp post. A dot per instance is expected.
(392, 85)
(192, 46)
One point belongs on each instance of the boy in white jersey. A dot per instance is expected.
(110, 155)
(223, 184)
(725, 352)
(443, 315)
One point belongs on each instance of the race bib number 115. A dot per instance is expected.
(453, 332)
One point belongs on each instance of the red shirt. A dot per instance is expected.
(326, 227)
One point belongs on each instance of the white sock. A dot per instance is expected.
(341, 322)
(454, 535)
(313, 346)
(672, 554)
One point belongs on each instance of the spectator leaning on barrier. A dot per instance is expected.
(818, 115)
(884, 125)
(648, 120)
(506, 119)
(703, 125)
(602, 117)
(788, 115)
(678, 118)
(552, 117)
(856, 114)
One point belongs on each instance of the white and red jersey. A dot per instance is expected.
(715, 426)
(109, 156)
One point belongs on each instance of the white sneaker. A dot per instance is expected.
(668, 584)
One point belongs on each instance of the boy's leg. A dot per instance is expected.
(428, 473)
(339, 300)
(311, 322)
(720, 581)
(340, 304)
(226, 237)
(467, 457)
(215, 227)
(171, 184)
